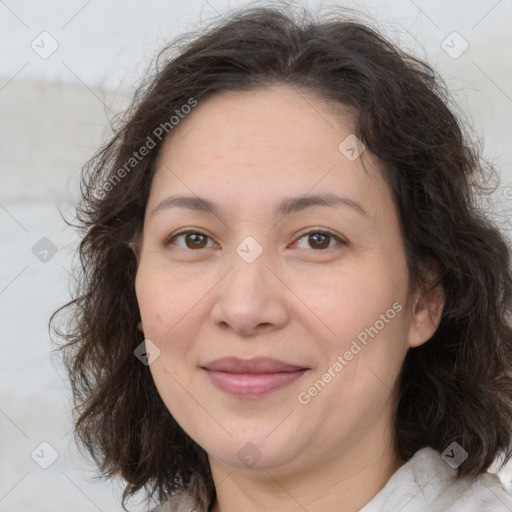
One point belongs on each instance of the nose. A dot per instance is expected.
(250, 300)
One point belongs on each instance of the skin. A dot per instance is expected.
(296, 302)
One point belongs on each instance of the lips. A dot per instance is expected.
(256, 365)
(251, 378)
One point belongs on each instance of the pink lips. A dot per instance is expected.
(251, 378)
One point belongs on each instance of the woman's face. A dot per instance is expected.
(316, 286)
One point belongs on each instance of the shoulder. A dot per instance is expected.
(193, 499)
(428, 483)
(185, 502)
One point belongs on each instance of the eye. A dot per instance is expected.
(319, 240)
(191, 240)
(314, 239)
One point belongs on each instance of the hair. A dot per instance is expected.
(455, 387)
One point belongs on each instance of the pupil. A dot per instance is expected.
(320, 240)
(196, 239)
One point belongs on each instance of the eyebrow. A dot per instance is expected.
(285, 207)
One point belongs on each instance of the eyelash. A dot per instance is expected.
(310, 232)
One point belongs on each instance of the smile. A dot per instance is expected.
(254, 378)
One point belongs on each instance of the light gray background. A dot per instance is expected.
(55, 113)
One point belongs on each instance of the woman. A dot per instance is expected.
(289, 299)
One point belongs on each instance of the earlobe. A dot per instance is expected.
(140, 327)
(427, 311)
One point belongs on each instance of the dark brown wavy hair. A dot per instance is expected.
(455, 387)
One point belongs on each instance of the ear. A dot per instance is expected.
(426, 313)
(140, 327)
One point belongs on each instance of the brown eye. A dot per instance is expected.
(195, 240)
(318, 240)
(190, 240)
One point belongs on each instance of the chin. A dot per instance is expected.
(256, 451)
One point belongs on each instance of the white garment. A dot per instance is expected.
(426, 483)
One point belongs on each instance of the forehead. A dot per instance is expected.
(276, 115)
(277, 141)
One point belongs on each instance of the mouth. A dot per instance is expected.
(251, 378)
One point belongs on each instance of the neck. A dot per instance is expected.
(344, 481)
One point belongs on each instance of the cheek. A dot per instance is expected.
(169, 319)
(365, 315)
(356, 383)
(172, 312)
(164, 302)
(349, 301)
(177, 391)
